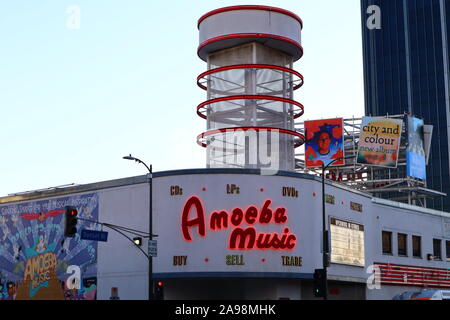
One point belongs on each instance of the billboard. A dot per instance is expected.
(232, 224)
(324, 142)
(427, 135)
(347, 242)
(415, 151)
(379, 142)
(36, 261)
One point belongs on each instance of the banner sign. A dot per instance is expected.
(427, 135)
(415, 151)
(36, 261)
(392, 274)
(379, 142)
(347, 242)
(233, 224)
(324, 142)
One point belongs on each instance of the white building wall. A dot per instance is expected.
(120, 264)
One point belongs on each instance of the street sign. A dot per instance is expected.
(94, 235)
(152, 248)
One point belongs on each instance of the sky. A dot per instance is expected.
(76, 95)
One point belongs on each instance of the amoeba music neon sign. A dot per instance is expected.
(242, 225)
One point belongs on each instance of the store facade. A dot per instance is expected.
(222, 234)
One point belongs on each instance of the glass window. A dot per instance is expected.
(402, 245)
(387, 242)
(437, 249)
(417, 246)
(447, 245)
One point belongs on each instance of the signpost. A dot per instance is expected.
(94, 235)
(152, 248)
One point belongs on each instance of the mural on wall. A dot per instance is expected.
(36, 261)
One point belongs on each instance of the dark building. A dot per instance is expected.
(406, 69)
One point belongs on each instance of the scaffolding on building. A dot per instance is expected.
(387, 183)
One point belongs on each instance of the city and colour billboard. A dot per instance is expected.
(324, 142)
(36, 261)
(415, 151)
(379, 142)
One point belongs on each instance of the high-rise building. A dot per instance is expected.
(406, 69)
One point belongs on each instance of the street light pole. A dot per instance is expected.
(150, 223)
(325, 246)
(150, 238)
(325, 236)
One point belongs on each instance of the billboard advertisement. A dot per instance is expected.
(36, 261)
(233, 224)
(379, 142)
(324, 142)
(347, 242)
(415, 151)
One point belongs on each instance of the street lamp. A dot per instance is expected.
(326, 249)
(137, 241)
(150, 215)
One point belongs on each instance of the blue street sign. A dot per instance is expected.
(152, 248)
(94, 235)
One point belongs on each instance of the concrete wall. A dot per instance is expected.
(120, 263)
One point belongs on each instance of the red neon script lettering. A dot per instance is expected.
(199, 221)
(240, 238)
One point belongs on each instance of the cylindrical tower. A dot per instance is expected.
(250, 110)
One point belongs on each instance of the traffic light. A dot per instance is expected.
(159, 290)
(320, 283)
(71, 221)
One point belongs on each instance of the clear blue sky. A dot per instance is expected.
(73, 102)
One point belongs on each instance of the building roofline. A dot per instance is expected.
(90, 187)
(117, 183)
(61, 191)
(409, 207)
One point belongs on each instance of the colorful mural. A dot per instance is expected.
(36, 261)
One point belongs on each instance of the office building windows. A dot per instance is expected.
(417, 246)
(386, 242)
(402, 244)
(447, 246)
(406, 69)
(437, 249)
